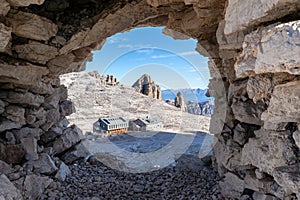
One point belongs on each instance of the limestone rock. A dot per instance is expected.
(32, 26)
(180, 102)
(284, 104)
(268, 150)
(27, 132)
(5, 168)
(51, 134)
(62, 172)
(296, 137)
(15, 113)
(4, 7)
(289, 178)
(264, 186)
(79, 152)
(2, 107)
(175, 34)
(26, 75)
(31, 148)
(35, 185)
(232, 186)
(67, 63)
(36, 52)
(67, 107)
(25, 2)
(42, 88)
(241, 14)
(8, 125)
(270, 49)
(12, 154)
(5, 35)
(44, 165)
(52, 117)
(146, 86)
(27, 99)
(248, 112)
(70, 137)
(7, 189)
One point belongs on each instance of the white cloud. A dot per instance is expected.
(133, 46)
(115, 40)
(187, 53)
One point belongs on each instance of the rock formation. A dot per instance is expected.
(146, 86)
(179, 102)
(200, 108)
(253, 49)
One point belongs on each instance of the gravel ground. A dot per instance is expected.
(100, 182)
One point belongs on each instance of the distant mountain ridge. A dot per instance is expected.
(193, 95)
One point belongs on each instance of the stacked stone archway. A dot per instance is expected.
(254, 51)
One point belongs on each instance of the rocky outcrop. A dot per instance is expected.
(253, 50)
(179, 102)
(201, 108)
(146, 86)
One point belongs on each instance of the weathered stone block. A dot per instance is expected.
(289, 178)
(35, 185)
(232, 186)
(7, 189)
(284, 104)
(12, 154)
(242, 14)
(79, 152)
(4, 7)
(25, 2)
(271, 49)
(31, 148)
(70, 137)
(44, 165)
(66, 108)
(248, 112)
(62, 172)
(36, 52)
(268, 150)
(23, 75)
(32, 26)
(27, 99)
(5, 35)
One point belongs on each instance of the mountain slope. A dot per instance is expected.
(194, 95)
(93, 99)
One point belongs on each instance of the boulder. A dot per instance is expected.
(232, 186)
(66, 108)
(296, 137)
(25, 2)
(8, 125)
(15, 113)
(32, 26)
(78, 152)
(5, 34)
(241, 15)
(248, 112)
(52, 117)
(7, 189)
(27, 99)
(269, 50)
(35, 185)
(31, 148)
(22, 74)
(44, 165)
(268, 150)
(284, 104)
(36, 52)
(12, 154)
(62, 172)
(5, 7)
(71, 136)
(288, 177)
(51, 134)
(42, 88)
(5, 168)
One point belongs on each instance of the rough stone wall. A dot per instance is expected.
(253, 48)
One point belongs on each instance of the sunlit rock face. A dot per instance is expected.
(253, 50)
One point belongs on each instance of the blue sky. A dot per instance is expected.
(171, 63)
